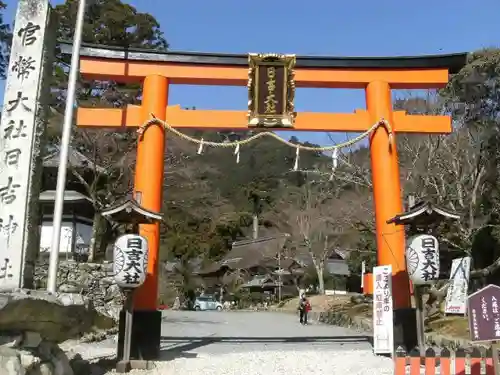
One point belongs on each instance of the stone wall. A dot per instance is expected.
(95, 281)
(366, 325)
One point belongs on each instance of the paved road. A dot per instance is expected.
(259, 343)
(187, 333)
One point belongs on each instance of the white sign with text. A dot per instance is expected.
(456, 295)
(383, 326)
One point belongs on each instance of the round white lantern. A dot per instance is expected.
(422, 259)
(130, 261)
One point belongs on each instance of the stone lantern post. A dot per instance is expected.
(130, 266)
(422, 222)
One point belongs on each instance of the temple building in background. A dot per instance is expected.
(78, 210)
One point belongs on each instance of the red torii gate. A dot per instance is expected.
(377, 76)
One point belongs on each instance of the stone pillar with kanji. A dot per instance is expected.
(22, 128)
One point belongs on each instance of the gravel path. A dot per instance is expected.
(293, 362)
(240, 343)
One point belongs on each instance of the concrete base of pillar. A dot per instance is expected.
(405, 328)
(146, 336)
(123, 367)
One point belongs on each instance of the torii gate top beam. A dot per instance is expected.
(134, 65)
(125, 65)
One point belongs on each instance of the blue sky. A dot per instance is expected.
(320, 27)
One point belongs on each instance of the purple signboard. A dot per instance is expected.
(484, 315)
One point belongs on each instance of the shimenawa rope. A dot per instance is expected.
(237, 144)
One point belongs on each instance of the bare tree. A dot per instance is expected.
(316, 216)
(110, 159)
(451, 171)
(353, 163)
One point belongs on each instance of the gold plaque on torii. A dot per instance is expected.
(271, 91)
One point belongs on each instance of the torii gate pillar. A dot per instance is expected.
(387, 191)
(148, 192)
(148, 184)
(387, 200)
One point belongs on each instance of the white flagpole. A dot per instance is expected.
(64, 150)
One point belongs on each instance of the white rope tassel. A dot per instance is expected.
(296, 165)
(237, 153)
(335, 162)
(200, 148)
(335, 159)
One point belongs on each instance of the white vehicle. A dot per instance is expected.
(203, 303)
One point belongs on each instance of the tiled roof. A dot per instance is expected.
(69, 196)
(333, 266)
(75, 160)
(423, 213)
(171, 266)
(250, 253)
(337, 267)
(258, 281)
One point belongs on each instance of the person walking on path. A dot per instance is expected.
(304, 307)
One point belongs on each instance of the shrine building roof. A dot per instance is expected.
(69, 196)
(130, 211)
(75, 160)
(423, 212)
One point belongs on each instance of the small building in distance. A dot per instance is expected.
(78, 209)
(262, 268)
(252, 256)
(336, 273)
